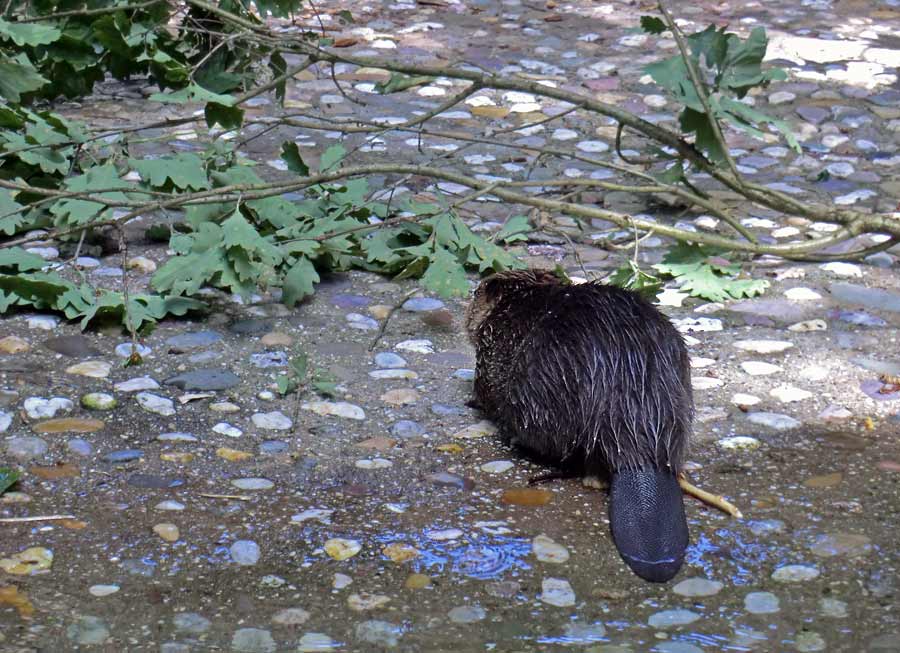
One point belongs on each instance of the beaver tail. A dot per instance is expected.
(646, 514)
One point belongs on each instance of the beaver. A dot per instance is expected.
(595, 380)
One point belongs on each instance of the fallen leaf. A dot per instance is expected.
(11, 596)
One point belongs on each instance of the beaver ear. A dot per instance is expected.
(490, 287)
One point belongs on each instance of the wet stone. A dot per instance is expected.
(122, 456)
(808, 641)
(177, 436)
(88, 630)
(466, 614)
(350, 301)
(269, 359)
(834, 544)
(80, 447)
(273, 447)
(137, 567)
(314, 642)
(557, 592)
(5, 421)
(445, 411)
(795, 573)
(125, 349)
(204, 379)
(766, 526)
(98, 401)
(154, 482)
(274, 421)
(155, 404)
(253, 484)
(672, 618)
(869, 297)
(245, 552)
(26, 447)
(834, 608)
(191, 622)
(422, 304)
(290, 617)
(546, 550)
(698, 587)
(447, 479)
(91, 369)
(761, 603)
(389, 360)
(71, 346)
(774, 421)
(137, 384)
(378, 633)
(40, 408)
(407, 429)
(102, 590)
(253, 640)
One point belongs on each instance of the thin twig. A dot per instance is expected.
(25, 520)
(710, 499)
(387, 318)
(235, 497)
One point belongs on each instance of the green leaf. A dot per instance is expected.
(299, 365)
(345, 16)
(11, 215)
(285, 384)
(326, 388)
(77, 211)
(226, 116)
(20, 260)
(653, 25)
(278, 66)
(290, 154)
(704, 273)
(445, 275)
(184, 170)
(746, 117)
(193, 93)
(704, 136)
(630, 277)
(7, 478)
(31, 34)
(299, 281)
(331, 157)
(515, 229)
(399, 82)
(17, 77)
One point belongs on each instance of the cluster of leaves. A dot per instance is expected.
(277, 242)
(729, 68)
(52, 48)
(703, 272)
(295, 379)
(27, 280)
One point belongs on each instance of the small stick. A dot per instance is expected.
(709, 498)
(236, 497)
(388, 317)
(22, 520)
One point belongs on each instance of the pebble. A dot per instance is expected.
(195, 340)
(14, 345)
(40, 408)
(808, 641)
(273, 447)
(124, 350)
(42, 322)
(5, 421)
(365, 601)
(224, 407)
(336, 409)
(400, 397)
(137, 384)
(497, 466)
(466, 614)
(204, 379)
(766, 526)
(379, 633)
(253, 484)
(481, 429)
(761, 603)
(759, 368)
(291, 617)
(373, 463)
(393, 374)
(169, 505)
(191, 623)
(80, 447)
(315, 642)
(557, 592)
(698, 587)
(360, 321)
(268, 359)
(168, 532)
(464, 374)
(122, 456)
(25, 447)
(835, 544)
(795, 573)
(92, 369)
(808, 326)
(802, 294)
(155, 404)
(389, 360)
(224, 428)
(407, 429)
(741, 399)
(775, 421)
(840, 269)
(763, 346)
(98, 401)
(245, 552)
(422, 304)
(814, 373)
(547, 550)
(444, 535)
(253, 640)
(833, 608)
(416, 346)
(787, 394)
(274, 421)
(592, 146)
(102, 590)
(88, 631)
(739, 443)
(177, 436)
(670, 618)
(339, 548)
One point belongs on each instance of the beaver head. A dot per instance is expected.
(504, 285)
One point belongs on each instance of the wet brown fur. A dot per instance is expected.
(588, 375)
